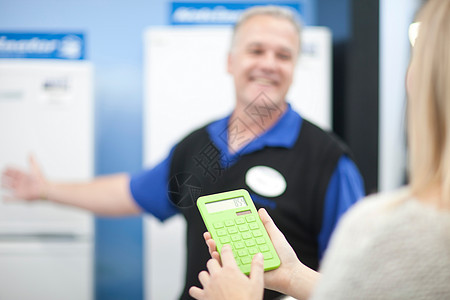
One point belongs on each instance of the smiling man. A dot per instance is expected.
(302, 175)
(262, 60)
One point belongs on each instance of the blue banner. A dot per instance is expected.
(207, 13)
(68, 46)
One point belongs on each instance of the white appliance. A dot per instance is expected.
(46, 110)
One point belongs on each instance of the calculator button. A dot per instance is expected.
(235, 237)
(240, 221)
(267, 255)
(239, 245)
(236, 258)
(260, 240)
(243, 228)
(250, 218)
(263, 248)
(225, 239)
(246, 260)
(250, 243)
(218, 225)
(257, 233)
(232, 230)
(253, 226)
(242, 252)
(253, 250)
(246, 235)
(229, 223)
(221, 232)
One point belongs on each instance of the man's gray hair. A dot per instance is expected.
(269, 10)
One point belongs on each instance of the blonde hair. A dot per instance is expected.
(429, 102)
(268, 10)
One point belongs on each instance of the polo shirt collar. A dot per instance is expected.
(284, 133)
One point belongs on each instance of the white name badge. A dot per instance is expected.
(266, 181)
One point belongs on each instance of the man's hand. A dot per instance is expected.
(226, 281)
(30, 185)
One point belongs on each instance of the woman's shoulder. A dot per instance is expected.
(397, 204)
(388, 243)
(376, 205)
(394, 217)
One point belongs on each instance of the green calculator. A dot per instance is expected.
(231, 218)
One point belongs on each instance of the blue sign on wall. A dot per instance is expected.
(68, 46)
(207, 13)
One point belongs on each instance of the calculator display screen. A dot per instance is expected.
(222, 205)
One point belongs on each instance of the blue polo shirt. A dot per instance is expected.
(149, 188)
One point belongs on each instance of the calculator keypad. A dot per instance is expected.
(245, 238)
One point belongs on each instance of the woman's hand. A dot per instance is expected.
(225, 281)
(292, 277)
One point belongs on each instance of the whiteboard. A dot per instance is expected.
(186, 86)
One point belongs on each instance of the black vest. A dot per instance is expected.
(307, 167)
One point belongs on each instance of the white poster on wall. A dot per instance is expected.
(186, 86)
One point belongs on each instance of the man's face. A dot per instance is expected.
(263, 59)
